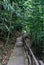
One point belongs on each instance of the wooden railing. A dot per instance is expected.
(30, 56)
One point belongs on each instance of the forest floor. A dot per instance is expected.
(5, 53)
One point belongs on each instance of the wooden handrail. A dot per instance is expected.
(31, 53)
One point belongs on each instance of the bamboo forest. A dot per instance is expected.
(21, 32)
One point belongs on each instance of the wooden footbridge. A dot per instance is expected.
(22, 55)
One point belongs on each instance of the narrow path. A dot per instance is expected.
(17, 57)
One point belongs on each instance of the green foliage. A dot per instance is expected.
(35, 24)
(23, 14)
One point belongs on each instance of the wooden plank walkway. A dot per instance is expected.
(17, 57)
